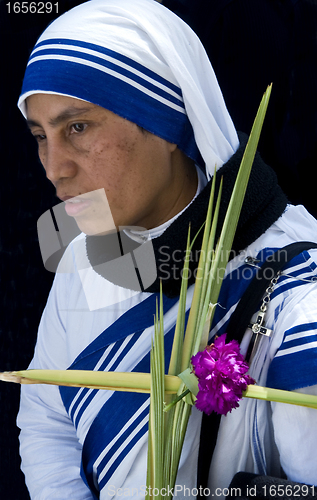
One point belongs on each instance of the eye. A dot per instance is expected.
(39, 137)
(77, 128)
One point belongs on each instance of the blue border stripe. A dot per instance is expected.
(69, 395)
(139, 317)
(118, 461)
(237, 282)
(297, 342)
(87, 83)
(114, 350)
(287, 286)
(108, 52)
(167, 119)
(116, 346)
(88, 400)
(112, 417)
(307, 269)
(133, 321)
(300, 328)
(298, 273)
(81, 57)
(134, 338)
(294, 371)
(258, 452)
(126, 450)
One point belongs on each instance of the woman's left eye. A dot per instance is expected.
(78, 127)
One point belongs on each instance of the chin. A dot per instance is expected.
(95, 230)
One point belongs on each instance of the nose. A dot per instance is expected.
(57, 161)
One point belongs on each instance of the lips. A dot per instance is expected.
(75, 206)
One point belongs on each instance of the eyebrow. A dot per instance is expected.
(71, 112)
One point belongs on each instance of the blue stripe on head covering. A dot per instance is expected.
(104, 77)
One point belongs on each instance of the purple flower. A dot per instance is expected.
(221, 372)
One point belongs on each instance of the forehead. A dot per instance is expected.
(53, 103)
(52, 110)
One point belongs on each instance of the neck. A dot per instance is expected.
(264, 203)
(178, 193)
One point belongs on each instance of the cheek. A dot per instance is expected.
(42, 154)
(111, 165)
(120, 151)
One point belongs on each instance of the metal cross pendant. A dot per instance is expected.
(257, 329)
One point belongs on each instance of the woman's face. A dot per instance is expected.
(107, 170)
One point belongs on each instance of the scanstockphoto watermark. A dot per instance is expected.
(179, 491)
(178, 256)
(170, 263)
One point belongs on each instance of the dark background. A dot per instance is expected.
(25, 196)
(250, 43)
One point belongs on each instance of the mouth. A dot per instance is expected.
(75, 206)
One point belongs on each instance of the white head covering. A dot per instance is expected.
(139, 60)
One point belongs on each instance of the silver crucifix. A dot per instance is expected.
(258, 328)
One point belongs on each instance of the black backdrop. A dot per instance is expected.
(25, 195)
(250, 43)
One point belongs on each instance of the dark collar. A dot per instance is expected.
(264, 203)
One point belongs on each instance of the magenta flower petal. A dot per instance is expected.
(221, 372)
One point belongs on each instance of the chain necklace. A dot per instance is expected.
(258, 328)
